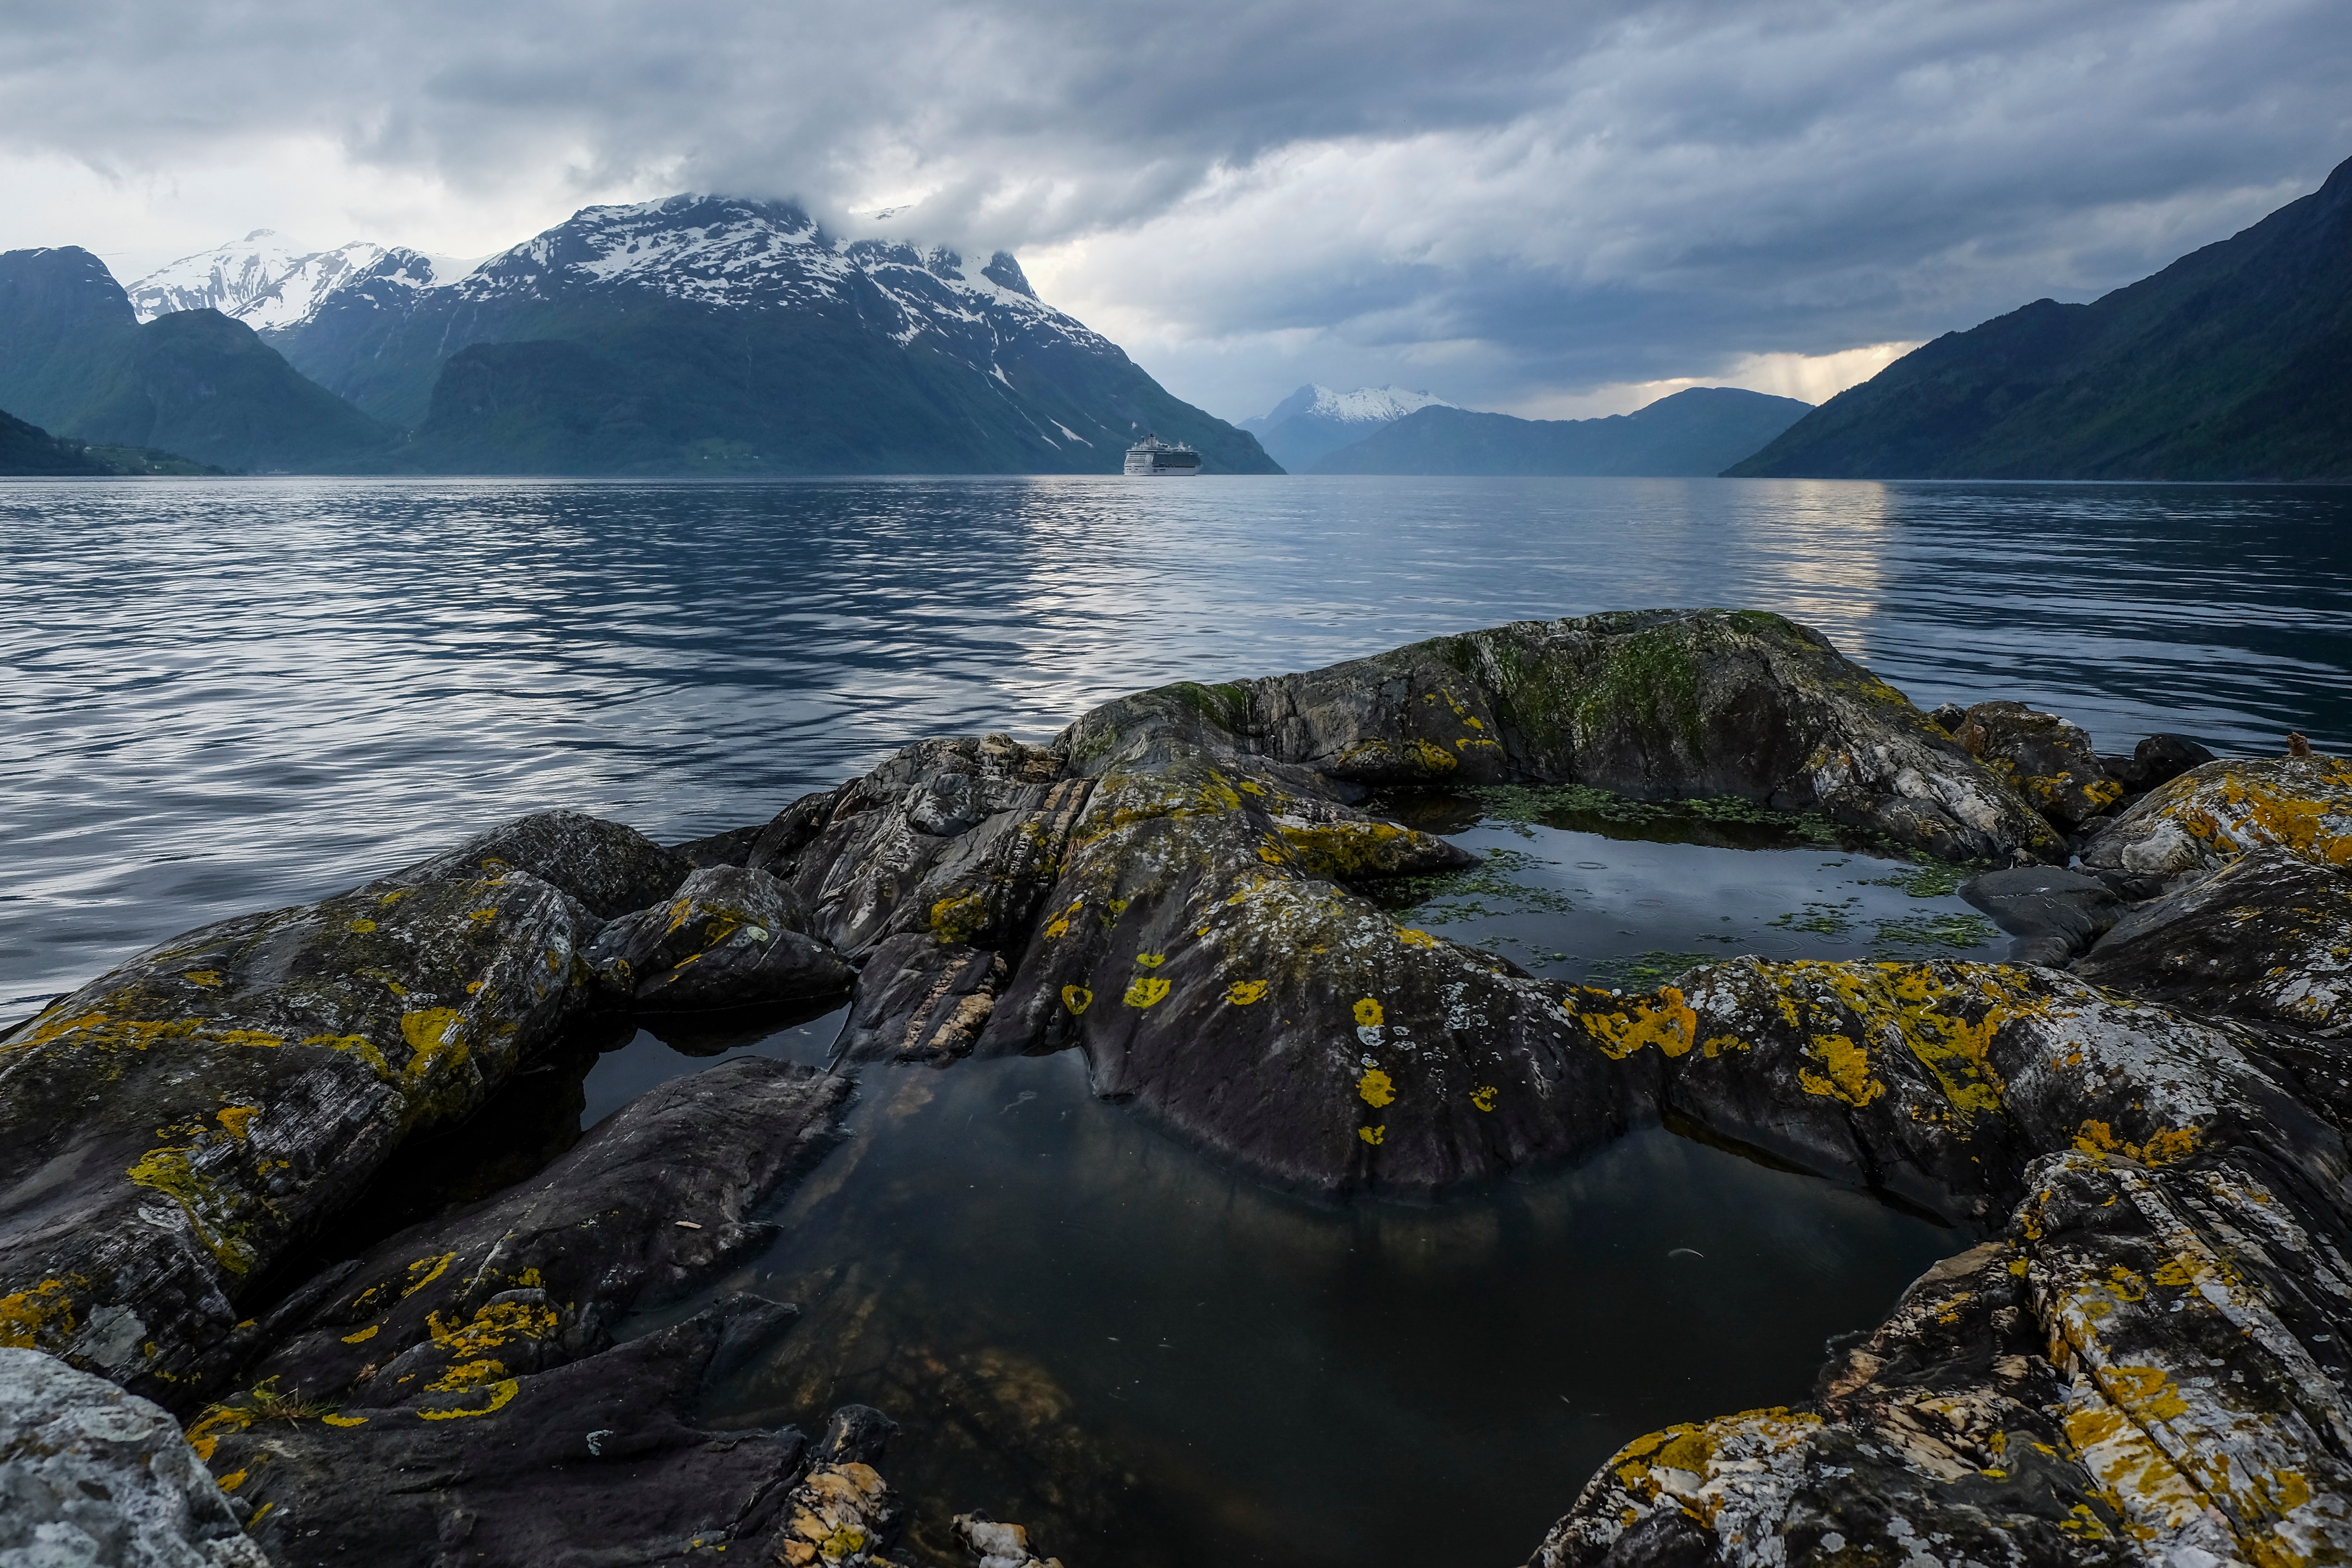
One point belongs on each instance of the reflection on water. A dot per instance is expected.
(1089, 1329)
(222, 695)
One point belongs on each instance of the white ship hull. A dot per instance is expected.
(1153, 457)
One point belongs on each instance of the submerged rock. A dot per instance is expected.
(2054, 914)
(168, 1131)
(729, 937)
(653, 1199)
(2043, 757)
(2211, 815)
(2268, 936)
(91, 1475)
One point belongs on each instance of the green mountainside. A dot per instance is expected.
(2234, 363)
(28, 451)
(75, 359)
(1697, 431)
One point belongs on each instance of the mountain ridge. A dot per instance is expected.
(1316, 420)
(1693, 433)
(2227, 364)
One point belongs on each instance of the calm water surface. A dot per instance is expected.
(225, 694)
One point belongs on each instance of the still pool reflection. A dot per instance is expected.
(1088, 1328)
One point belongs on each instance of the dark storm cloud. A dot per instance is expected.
(1537, 196)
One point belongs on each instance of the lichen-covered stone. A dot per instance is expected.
(2210, 815)
(610, 868)
(1939, 1435)
(92, 1476)
(996, 1544)
(168, 1131)
(1204, 947)
(2044, 758)
(956, 838)
(599, 1460)
(653, 1198)
(1656, 703)
(2268, 936)
(729, 937)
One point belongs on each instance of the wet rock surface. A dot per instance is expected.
(2054, 914)
(729, 937)
(91, 1475)
(654, 1197)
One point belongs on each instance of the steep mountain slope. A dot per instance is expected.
(1314, 420)
(30, 451)
(260, 279)
(702, 334)
(1694, 432)
(27, 449)
(75, 359)
(2231, 363)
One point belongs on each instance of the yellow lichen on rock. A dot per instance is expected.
(1375, 1088)
(1665, 1021)
(43, 1312)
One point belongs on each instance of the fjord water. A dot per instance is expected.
(225, 694)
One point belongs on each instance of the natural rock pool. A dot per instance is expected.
(1088, 1326)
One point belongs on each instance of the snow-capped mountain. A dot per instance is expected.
(745, 328)
(262, 279)
(1316, 420)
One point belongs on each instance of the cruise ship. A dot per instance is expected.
(1153, 456)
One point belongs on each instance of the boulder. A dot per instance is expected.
(732, 847)
(922, 1000)
(1654, 703)
(2268, 936)
(840, 1514)
(653, 1198)
(2158, 760)
(595, 1461)
(2211, 815)
(92, 1476)
(2054, 914)
(608, 866)
(729, 937)
(168, 1131)
(2044, 758)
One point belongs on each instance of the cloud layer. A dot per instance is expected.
(1520, 206)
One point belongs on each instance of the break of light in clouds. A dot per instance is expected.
(1552, 210)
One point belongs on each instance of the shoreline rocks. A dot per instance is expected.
(2143, 1367)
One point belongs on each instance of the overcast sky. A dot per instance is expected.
(1549, 208)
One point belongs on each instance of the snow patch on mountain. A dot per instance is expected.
(263, 279)
(1370, 404)
(1316, 420)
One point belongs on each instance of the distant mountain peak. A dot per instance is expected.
(262, 279)
(1317, 419)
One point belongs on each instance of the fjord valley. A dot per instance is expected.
(695, 335)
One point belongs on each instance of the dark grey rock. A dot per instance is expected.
(594, 1461)
(2158, 760)
(730, 936)
(922, 1000)
(651, 1200)
(732, 847)
(91, 1476)
(2269, 936)
(2044, 758)
(608, 866)
(2054, 914)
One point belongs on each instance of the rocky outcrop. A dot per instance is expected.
(2211, 815)
(729, 937)
(1654, 703)
(91, 1475)
(167, 1132)
(2044, 758)
(610, 868)
(2268, 936)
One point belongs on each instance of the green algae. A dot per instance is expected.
(1443, 897)
(1645, 970)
